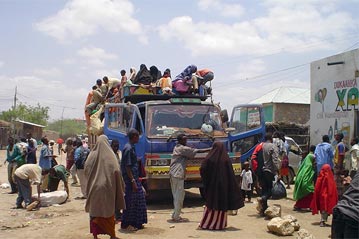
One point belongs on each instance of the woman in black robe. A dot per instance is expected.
(221, 189)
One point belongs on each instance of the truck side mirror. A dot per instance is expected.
(224, 116)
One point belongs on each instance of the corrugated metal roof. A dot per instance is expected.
(285, 95)
(4, 123)
(25, 122)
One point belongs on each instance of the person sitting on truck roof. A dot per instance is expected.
(183, 81)
(133, 74)
(165, 82)
(111, 83)
(96, 99)
(155, 73)
(101, 87)
(143, 76)
(201, 78)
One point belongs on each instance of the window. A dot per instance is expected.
(120, 118)
(246, 118)
(244, 145)
(164, 120)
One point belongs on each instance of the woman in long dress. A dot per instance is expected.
(105, 192)
(221, 189)
(304, 182)
(325, 194)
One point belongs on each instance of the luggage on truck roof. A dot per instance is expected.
(134, 99)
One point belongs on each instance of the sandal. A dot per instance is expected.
(130, 228)
(180, 219)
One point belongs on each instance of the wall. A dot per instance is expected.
(268, 112)
(291, 113)
(334, 96)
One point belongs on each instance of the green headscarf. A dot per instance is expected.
(304, 181)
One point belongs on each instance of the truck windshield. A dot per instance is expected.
(164, 120)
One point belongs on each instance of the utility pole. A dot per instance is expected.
(15, 98)
(62, 119)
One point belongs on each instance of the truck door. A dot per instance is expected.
(119, 118)
(247, 129)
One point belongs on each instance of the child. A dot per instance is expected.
(325, 194)
(284, 169)
(247, 181)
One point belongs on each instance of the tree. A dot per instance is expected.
(68, 127)
(34, 114)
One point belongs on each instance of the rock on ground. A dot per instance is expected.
(304, 234)
(293, 221)
(280, 226)
(273, 211)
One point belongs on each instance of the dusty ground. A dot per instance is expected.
(70, 220)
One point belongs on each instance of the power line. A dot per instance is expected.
(271, 73)
(45, 103)
(276, 51)
(263, 75)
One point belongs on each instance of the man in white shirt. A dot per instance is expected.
(24, 176)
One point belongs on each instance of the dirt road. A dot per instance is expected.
(69, 220)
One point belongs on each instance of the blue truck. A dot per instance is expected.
(160, 118)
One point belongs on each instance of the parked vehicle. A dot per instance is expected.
(295, 157)
(160, 118)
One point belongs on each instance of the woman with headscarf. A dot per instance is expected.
(135, 214)
(325, 194)
(155, 73)
(104, 188)
(143, 76)
(183, 81)
(304, 182)
(221, 189)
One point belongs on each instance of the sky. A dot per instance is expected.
(53, 51)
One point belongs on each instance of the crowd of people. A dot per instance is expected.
(110, 180)
(322, 184)
(190, 81)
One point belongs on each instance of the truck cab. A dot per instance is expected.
(160, 118)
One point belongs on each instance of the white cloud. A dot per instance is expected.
(224, 9)
(1, 63)
(289, 27)
(95, 56)
(251, 68)
(82, 18)
(52, 72)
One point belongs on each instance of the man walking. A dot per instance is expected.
(13, 154)
(324, 153)
(270, 169)
(181, 153)
(45, 161)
